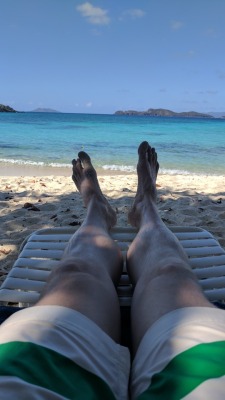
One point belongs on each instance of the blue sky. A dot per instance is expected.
(100, 56)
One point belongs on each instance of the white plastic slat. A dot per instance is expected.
(209, 272)
(204, 251)
(207, 261)
(123, 236)
(35, 263)
(47, 238)
(28, 273)
(177, 229)
(55, 254)
(199, 243)
(60, 230)
(192, 235)
(46, 245)
(123, 245)
(124, 301)
(14, 296)
(124, 291)
(124, 279)
(23, 284)
(124, 268)
(213, 283)
(215, 295)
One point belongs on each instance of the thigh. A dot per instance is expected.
(81, 286)
(171, 288)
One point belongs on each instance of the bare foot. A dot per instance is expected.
(147, 170)
(86, 181)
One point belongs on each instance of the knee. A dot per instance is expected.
(171, 272)
(174, 269)
(172, 281)
(70, 268)
(73, 275)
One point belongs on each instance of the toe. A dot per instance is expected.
(85, 159)
(152, 156)
(76, 165)
(155, 158)
(157, 168)
(142, 149)
(77, 171)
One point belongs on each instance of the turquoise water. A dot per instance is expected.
(184, 145)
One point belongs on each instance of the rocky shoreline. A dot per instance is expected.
(4, 108)
(161, 112)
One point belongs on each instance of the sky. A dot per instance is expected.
(100, 56)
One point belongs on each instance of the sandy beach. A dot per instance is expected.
(28, 203)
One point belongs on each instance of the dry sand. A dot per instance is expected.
(54, 201)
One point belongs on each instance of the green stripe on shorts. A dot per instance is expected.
(187, 371)
(43, 367)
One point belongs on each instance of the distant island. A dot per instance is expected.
(161, 112)
(44, 110)
(6, 108)
(217, 114)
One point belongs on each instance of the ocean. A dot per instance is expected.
(184, 145)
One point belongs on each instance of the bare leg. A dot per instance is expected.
(86, 277)
(156, 261)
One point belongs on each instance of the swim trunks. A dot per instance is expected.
(56, 353)
(182, 356)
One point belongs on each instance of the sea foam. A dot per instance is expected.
(123, 168)
(34, 163)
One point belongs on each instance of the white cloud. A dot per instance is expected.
(176, 25)
(88, 104)
(133, 13)
(94, 15)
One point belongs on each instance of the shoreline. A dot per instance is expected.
(20, 170)
(193, 200)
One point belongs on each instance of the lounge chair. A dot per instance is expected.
(43, 249)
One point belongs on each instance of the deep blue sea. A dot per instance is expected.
(184, 145)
